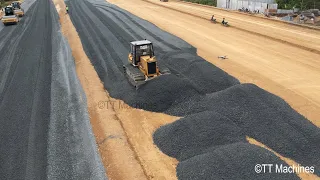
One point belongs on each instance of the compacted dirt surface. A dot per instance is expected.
(279, 31)
(220, 114)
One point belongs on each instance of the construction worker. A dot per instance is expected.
(67, 9)
(213, 19)
(302, 18)
(223, 21)
(312, 20)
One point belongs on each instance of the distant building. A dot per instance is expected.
(252, 5)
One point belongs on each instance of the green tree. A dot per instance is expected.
(302, 4)
(205, 2)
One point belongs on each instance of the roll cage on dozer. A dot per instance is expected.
(143, 65)
(138, 49)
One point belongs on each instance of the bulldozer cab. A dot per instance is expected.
(143, 65)
(8, 11)
(141, 48)
(16, 5)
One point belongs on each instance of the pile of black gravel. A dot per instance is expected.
(233, 162)
(160, 93)
(243, 110)
(107, 41)
(204, 76)
(197, 134)
(217, 109)
(194, 78)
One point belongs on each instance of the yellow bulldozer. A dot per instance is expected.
(17, 8)
(9, 16)
(143, 65)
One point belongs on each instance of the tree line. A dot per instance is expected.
(301, 4)
(282, 4)
(205, 2)
(4, 3)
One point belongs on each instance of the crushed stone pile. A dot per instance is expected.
(204, 76)
(197, 134)
(233, 162)
(108, 50)
(230, 115)
(217, 110)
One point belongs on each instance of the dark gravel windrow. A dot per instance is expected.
(230, 115)
(217, 110)
(106, 41)
(45, 131)
(233, 161)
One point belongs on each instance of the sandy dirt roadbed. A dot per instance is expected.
(298, 36)
(286, 71)
(274, 19)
